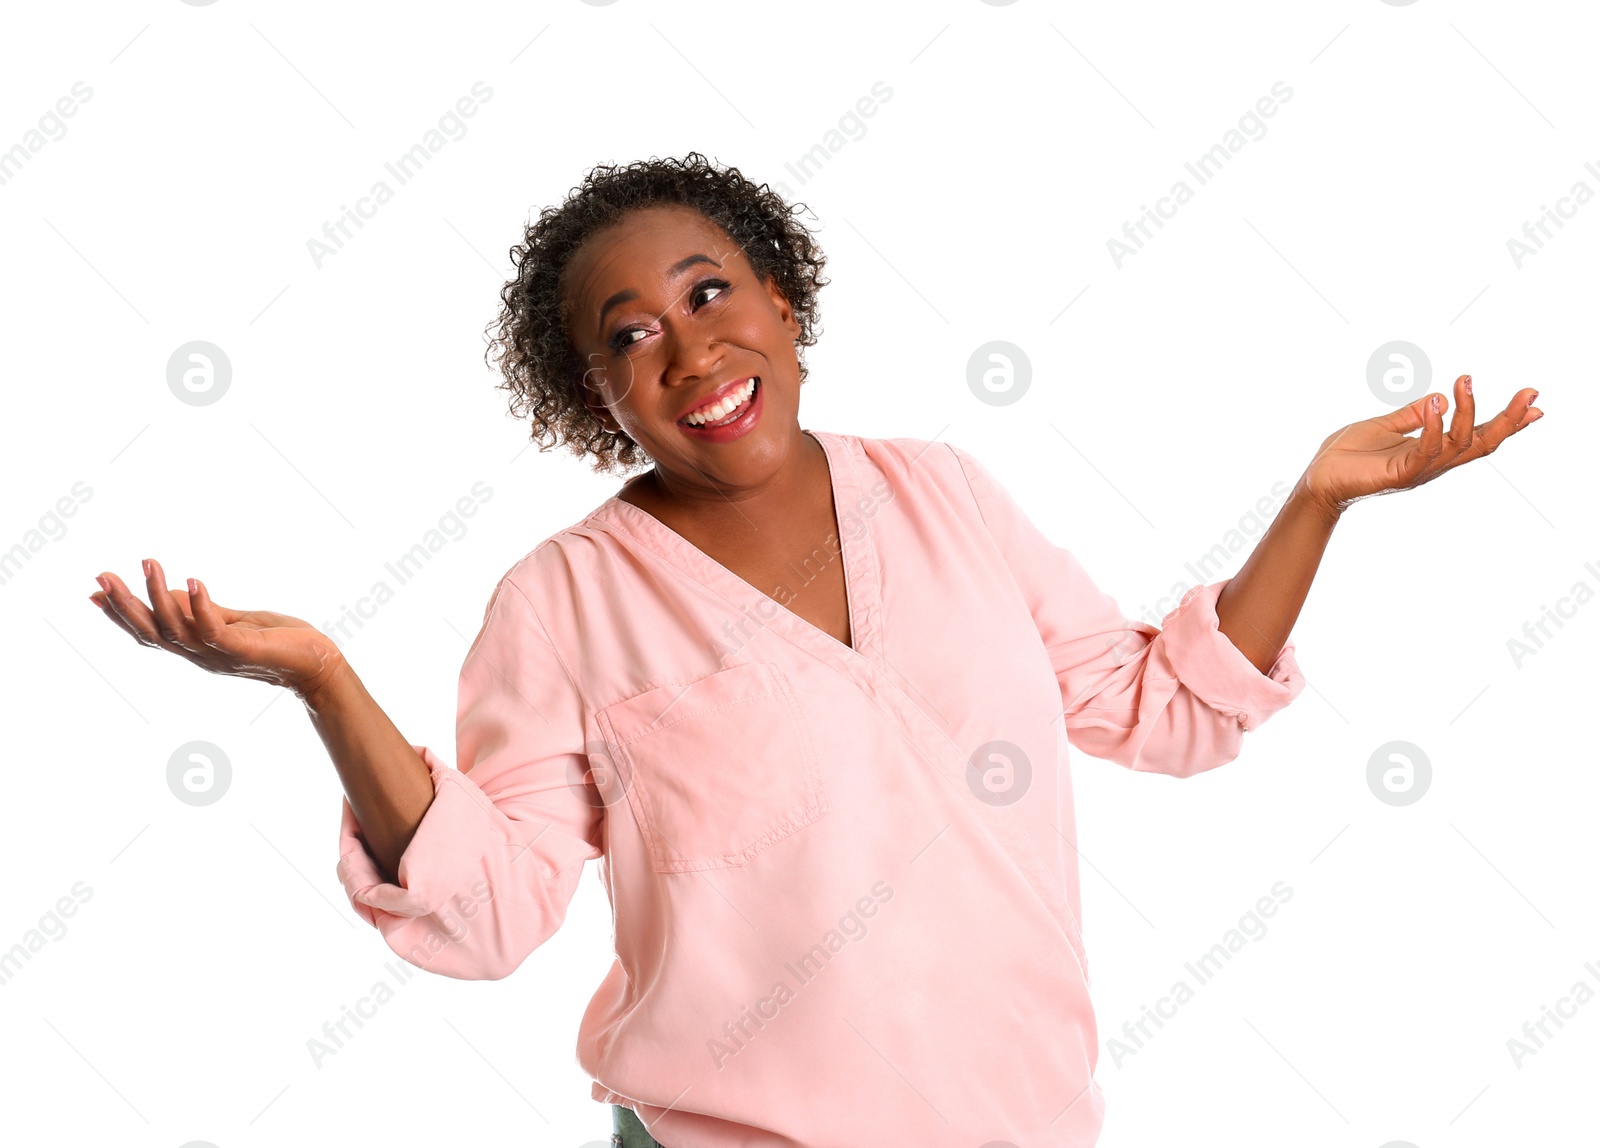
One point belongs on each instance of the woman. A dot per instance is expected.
(806, 696)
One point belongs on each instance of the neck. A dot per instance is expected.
(787, 496)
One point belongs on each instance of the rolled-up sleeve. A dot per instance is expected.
(1175, 700)
(496, 859)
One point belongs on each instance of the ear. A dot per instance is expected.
(597, 407)
(781, 302)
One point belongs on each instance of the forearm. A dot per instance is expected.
(1258, 607)
(386, 782)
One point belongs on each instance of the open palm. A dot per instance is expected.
(1378, 456)
(255, 644)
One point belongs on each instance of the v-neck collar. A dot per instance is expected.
(857, 553)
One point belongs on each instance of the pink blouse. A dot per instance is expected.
(843, 881)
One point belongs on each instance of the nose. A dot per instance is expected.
(692, 354)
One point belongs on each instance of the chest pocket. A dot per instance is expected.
(717, 770)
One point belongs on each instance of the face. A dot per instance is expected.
(666, 312)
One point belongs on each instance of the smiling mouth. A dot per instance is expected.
(726, 411)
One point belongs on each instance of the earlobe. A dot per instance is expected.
(598, 409)
(781, 301)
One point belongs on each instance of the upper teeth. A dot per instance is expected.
(724, 407)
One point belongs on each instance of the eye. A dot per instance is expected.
(710, 285)
(621, 341)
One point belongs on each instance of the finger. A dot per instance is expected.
(1426, 447)
(184, 601)
(127, 608)
(1461, 429)
(1519, 413)
(1431, 439)
(170, 620)
(210, 626)
(1530, 413)
(103, 600)
(1407, 418)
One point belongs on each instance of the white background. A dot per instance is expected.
(1166, 400)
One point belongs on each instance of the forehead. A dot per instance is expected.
(636, 250)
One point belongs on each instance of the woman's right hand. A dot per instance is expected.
(242, 643)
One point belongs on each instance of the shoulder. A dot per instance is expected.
(540, 584)
(926, 465)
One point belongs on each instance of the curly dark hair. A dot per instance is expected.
(531, 343)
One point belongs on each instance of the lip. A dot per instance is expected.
(717, 395)
(740, 426)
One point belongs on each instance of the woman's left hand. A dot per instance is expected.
(1376, 456)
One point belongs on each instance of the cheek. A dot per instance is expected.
(755, 325)
(615, 382)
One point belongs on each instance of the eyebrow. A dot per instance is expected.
(626, 295)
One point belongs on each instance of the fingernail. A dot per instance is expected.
(146, 565)
(104, 585)
(194, 587)
(1467, 383)
(1436, 402)
(93, 599)
(1533, 396)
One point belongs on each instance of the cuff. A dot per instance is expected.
(1207, 662)
(443, 856)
